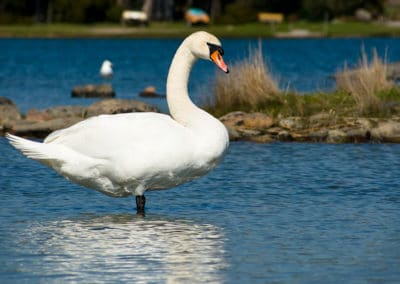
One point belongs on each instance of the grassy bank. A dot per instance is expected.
(365, 91)
(179, 29)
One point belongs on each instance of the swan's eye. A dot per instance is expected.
(216, 53)
(214, 47)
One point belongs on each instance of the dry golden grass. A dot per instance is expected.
(248, 86)
(365, 82)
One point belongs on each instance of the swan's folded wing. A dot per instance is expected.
(147, 135)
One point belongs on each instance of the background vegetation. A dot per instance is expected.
(364, 91)
(221, 11)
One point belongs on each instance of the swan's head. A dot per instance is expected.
(206, 46)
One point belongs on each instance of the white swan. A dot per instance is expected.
(130, 153)
(106, 70)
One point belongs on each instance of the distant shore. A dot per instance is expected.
(180, 29)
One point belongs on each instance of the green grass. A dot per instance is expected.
(180, 29)
(340, 104)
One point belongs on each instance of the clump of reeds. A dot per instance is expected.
(248, 86)
(365, 82)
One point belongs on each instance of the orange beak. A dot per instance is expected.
(216, 57)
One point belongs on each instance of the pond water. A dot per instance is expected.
(270, 213)
(38, 73)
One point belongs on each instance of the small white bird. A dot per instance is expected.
(127, 154)
(106, 70)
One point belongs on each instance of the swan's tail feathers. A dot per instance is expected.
(31, 149)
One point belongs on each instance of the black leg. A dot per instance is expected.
(140, 202)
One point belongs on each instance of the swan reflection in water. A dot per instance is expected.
(127, 248)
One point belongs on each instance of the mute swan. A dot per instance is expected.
(127, 154)
(106, 70)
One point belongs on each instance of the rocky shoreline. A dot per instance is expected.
(322, 127)
(255, 127)
(39, 123)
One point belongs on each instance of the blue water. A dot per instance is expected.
(270, 213)
(38, 73)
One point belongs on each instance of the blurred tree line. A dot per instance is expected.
(221, 11)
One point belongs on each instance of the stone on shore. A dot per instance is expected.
(248, 126)
(336, 136)
(322, 119)
(55, 112)
(233, 134)
(242, 126)
(39, 123)
(150, 92)
(321, 127)
(358, 135)
(387, 131)
(41, 129)
(113, 106)
(93, 91)
(8, 111)
(291, 123)
(242, 119)
(9, 114)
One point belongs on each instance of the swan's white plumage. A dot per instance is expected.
(125, 154)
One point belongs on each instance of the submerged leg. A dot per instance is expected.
(140, 202)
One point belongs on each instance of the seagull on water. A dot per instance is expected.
(106, 70)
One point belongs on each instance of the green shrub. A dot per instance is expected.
(238, 12)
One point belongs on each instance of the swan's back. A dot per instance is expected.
(143, 137)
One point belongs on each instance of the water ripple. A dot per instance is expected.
(129, 248)
(274, 213)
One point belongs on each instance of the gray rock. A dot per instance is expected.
(284, 136)
(8, 111)
(42, 128)
(233, 119)
(150, 92)
(291, 123)
(386, 132)
(364, 123)
(233, 134)
(358, 135)
(266, 138)
(274, 130)
(255, 120)
(93, 91)
(318, 136)
(55, 112)
(6, 101)
(258, 120)
(41, 123)
(113, 106)
(320, 119)
(248, 132)
(336, 136)
(300, 136)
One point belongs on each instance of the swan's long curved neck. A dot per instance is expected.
(179, 103)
